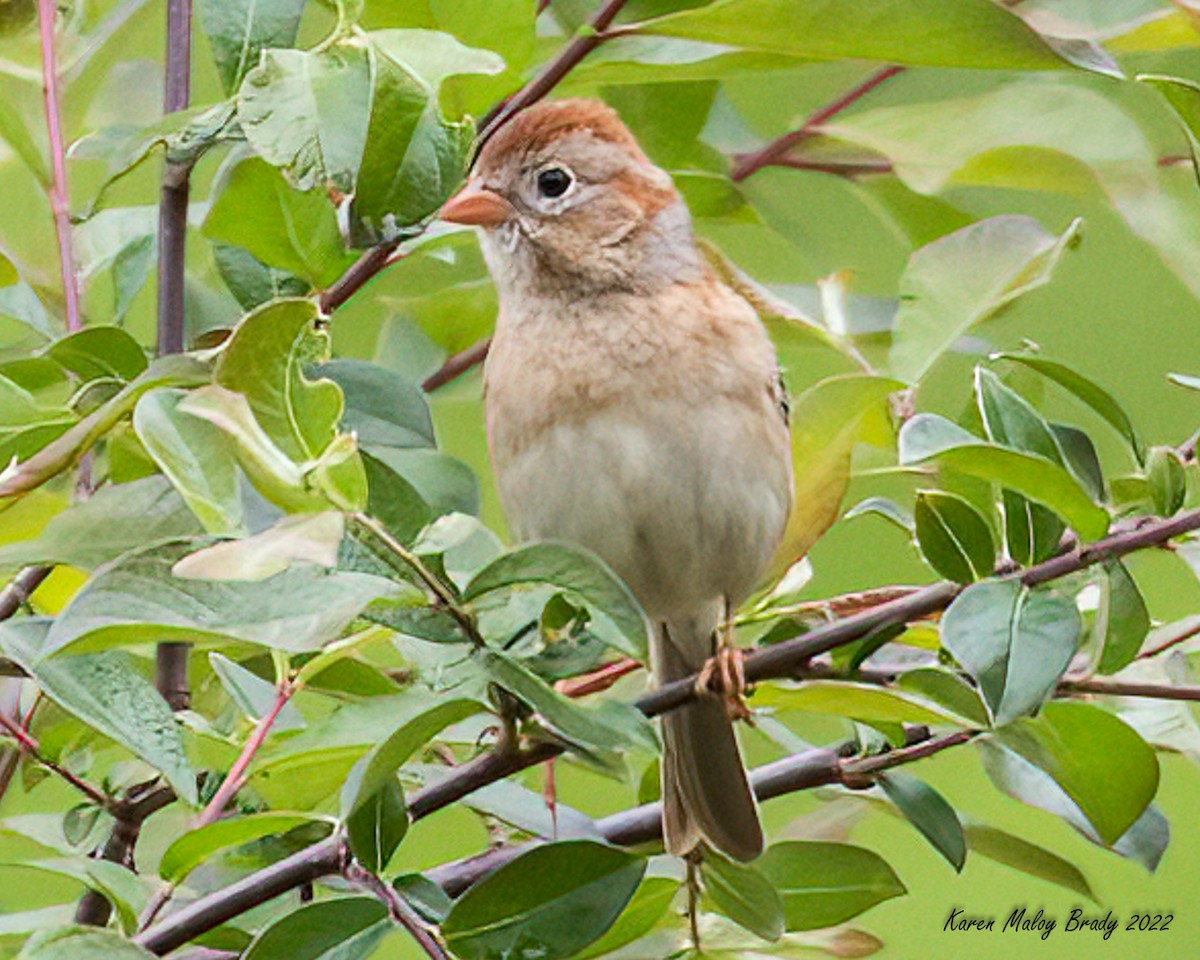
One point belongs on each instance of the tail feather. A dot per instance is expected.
(706, 795)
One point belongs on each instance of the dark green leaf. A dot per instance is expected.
(928, 811)
(609, 724)
(823, 884)
(948, 691)
(1011, 421)
(1015, 642)
(1020, 854)
(1079, 762)
(550, 902)
(1095, 396)
(256, 209)
(106, 692)
(1081, 458)
(619, 618)
(446, 484)
(954, 538)
(1122, 620)
(382, 408)
(744, 895)
(1168, 482)
(347, 928)
(377, 826)
(1031, 532)
(649, 904)
(930, 437)
(251, 281)
(239, 30)
(425, 896)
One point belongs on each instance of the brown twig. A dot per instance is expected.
(840, 168)
(398, 910)
(27, 743)
(457, 364)
(586, 40)
(59, 194)
(18, 590)
(1186, 634)
(746, 164)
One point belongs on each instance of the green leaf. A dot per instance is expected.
(1014, 641)
(930, 437)
(858, 701)
(239, 30)
(257, 210)
(1122, 621)
(744, 895)
(1168, 481)
(882, 507)
(377, 826)
(82, 943)
(65, 451)
(106, 692)
(1031, 532)
(194, 456)
(115, 519)
(347, 928)
(620, 620)
(306, 538)
(1020, 854)
(962, 279)
(948, 691)
(826, 422)
(251, 281)
(382, 407)
(823, 884)
(608, 725)
(1095, 396)
(954, 537)
(306, 112)
(137, 599)
(394, 502)
(266, 360)
(378, 767)
(130, 271)
(1183, 96)
(414, 157)
(99, 352)
(550, 902)
(928, 811)
(1011, 421)
(942, 33)
(1076, 759)
(649, 904)
(254, 696)
(190, 849)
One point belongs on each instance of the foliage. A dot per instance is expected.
(366, 650)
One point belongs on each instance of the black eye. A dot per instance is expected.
(553, 182)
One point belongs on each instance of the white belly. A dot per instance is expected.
(686, 504)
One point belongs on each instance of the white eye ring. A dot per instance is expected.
(554, 181)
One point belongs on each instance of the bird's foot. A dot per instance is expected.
(725, 675)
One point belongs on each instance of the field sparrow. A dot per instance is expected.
(634, 407)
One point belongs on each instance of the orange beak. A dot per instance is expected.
(475, 206)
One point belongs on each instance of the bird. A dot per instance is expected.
(634, 407)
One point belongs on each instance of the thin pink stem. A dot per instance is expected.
(236, 778)
(58, 193)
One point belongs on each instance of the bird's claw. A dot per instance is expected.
(725, 675)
